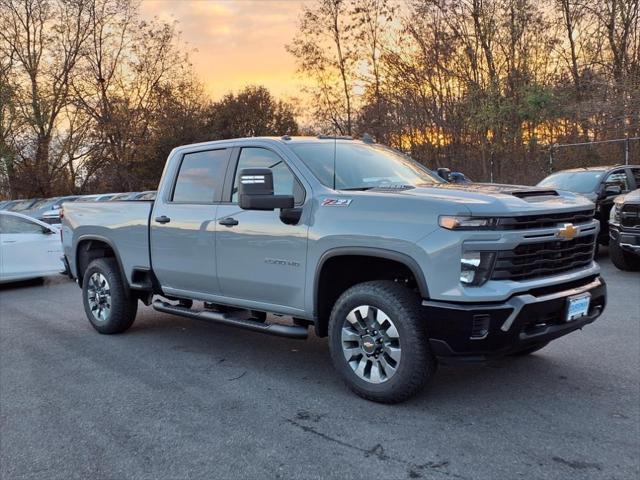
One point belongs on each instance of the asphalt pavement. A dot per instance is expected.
(178, 399)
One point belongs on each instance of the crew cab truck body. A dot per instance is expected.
(624, 231)
(398, 268)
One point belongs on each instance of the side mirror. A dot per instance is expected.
(47, 231)
(255, 191)
(611, 190)
(443, 173)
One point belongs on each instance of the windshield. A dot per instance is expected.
(22, 205)
(360, 167)
(42, 203)
(578, 182)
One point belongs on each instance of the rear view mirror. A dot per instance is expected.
(255, 191)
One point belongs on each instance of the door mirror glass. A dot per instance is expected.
(255, 191)
(614, 190)
(611, 190)
(444, 173)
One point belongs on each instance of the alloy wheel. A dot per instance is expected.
(99, 297)
(371, 344)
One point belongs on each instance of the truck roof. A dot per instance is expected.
(598, 168)
(286, 139)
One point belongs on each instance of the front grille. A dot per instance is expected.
(544, 221)
(531, 260)
(630, 216)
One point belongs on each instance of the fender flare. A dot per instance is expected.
(402, 258)
(98, 238)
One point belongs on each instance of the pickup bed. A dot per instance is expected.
(398, 268)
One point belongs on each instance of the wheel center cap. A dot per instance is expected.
(368, 344)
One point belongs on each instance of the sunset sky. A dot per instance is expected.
(236, 42)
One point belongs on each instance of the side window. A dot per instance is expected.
(284, 183)
(11, 224)
(636, 175)
(200, 177)
(618, 178)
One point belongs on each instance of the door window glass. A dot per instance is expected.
(284, 183)
(618, 178)
(201, 177)
(636, 175)
(11, 224)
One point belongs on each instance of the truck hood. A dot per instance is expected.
(499, 200)
(631, 198)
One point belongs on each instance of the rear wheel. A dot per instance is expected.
(623, 260)
(378, 342)
(107, 303)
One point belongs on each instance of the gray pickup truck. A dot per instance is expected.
(398, 268)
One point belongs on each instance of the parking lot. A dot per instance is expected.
(174, 398)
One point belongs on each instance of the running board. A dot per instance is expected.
(289, 331)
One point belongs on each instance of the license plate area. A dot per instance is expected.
(577, 306)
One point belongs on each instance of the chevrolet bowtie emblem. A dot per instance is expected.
(567, 232)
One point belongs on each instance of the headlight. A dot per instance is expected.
(475, 267)
(614, 215)
(467, 223)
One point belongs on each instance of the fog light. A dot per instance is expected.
(475, 267)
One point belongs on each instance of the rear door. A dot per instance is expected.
(27, 249)
(259, 257)
(183, 224)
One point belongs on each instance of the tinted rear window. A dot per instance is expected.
(201, 177)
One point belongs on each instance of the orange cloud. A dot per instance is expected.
(236, 43)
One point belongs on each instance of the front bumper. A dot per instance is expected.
(626, 240)
(475, 332)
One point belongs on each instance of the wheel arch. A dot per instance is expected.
(91, 247)
(378, 260)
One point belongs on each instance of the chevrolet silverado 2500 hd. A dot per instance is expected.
(398, 268)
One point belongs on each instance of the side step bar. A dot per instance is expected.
(289, 331)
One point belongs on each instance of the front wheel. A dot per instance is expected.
(378, 341)
(107, 303)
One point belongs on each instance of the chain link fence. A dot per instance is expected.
(621, 151)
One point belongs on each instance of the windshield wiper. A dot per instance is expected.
(362, 189)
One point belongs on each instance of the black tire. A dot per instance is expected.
(123, 306)
(402, 306)
(626, 261)
(529, 350)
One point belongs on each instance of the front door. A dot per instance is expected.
(27, 249)
(616, 178)
(183, 225)
(259, 257)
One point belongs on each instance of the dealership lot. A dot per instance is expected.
(174, 398)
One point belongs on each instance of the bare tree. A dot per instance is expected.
(45, 40)
(324, 50)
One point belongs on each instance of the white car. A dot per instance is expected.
(29, 248)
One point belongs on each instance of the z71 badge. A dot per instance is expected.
(336, 202)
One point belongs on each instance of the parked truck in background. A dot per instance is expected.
(398, 268)
(624, 231)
